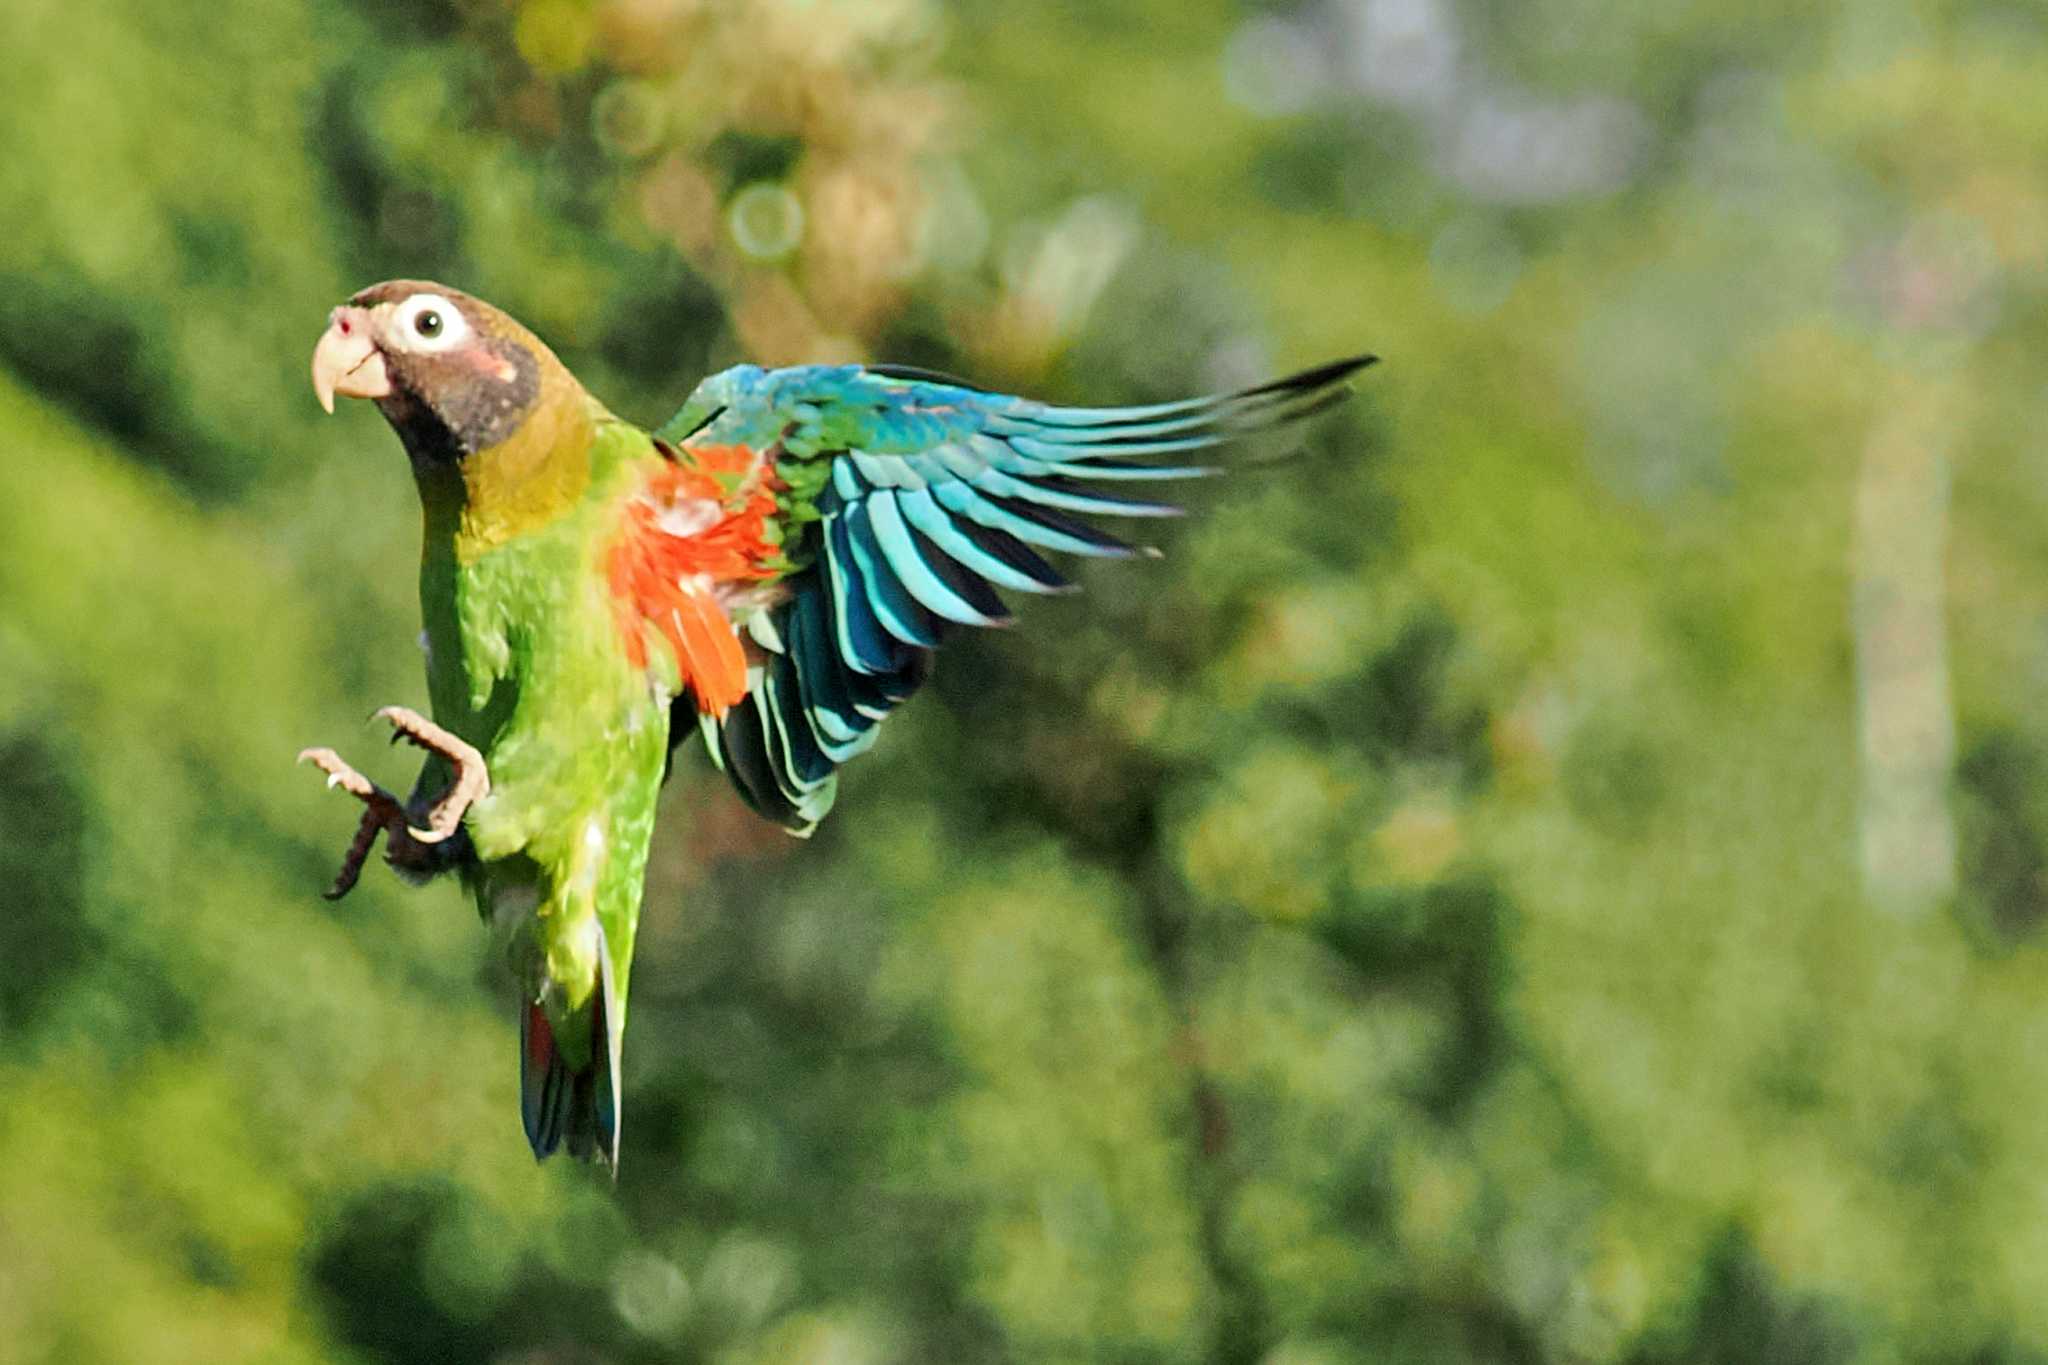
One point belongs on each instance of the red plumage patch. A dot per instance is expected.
(699, 526)
(540, 1040)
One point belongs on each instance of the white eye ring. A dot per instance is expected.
(428, 322)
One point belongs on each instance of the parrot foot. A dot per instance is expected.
(472, 778)
(411, 845)
(381, 811)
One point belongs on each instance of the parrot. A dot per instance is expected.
(772, 568)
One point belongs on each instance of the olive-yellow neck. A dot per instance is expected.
(524, 483)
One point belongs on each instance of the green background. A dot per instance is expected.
(1553, 871)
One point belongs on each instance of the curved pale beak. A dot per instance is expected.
(346, 361)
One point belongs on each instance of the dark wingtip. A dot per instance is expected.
(1321, 376)
(1315, 403)
(917, 374)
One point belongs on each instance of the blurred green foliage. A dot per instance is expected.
(1556, 872)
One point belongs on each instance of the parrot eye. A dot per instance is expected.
(428, 322)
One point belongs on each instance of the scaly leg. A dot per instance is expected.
(384, 812)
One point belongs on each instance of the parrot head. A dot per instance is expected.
(452, 374)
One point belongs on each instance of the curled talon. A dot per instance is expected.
(383, 812)
(472, 780)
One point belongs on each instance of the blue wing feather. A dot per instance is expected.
(1005, 567)
(937, 494)
(920, 574)
(898, 607)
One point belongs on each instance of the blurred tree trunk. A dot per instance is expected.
(1905, 714)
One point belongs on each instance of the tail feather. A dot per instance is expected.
(562, 1104)
(546, 1085)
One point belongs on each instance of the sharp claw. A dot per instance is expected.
(383, 811)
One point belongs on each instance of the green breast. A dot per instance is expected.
(525, 661)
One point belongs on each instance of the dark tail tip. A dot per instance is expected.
(546, 1084)
(560, 1104)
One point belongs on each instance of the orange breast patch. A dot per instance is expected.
(698, 527)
